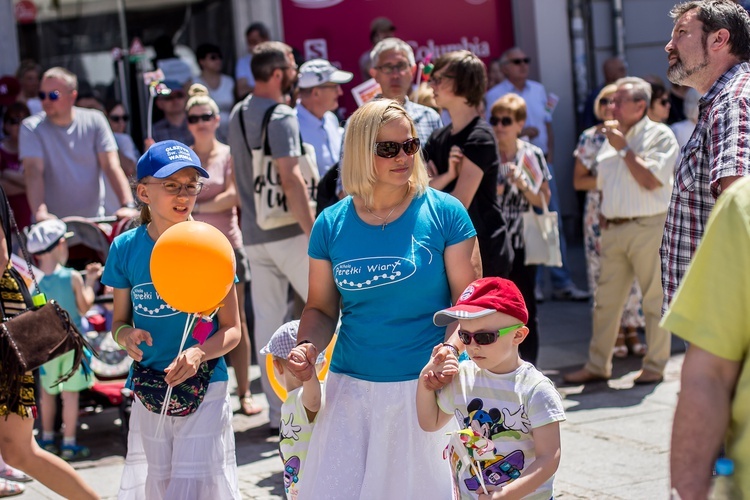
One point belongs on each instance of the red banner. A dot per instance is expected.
(339, 30)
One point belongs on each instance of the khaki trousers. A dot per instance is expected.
(629, 250)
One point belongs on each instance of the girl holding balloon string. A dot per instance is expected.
(189, 456)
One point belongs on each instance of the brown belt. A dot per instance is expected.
(618, 220)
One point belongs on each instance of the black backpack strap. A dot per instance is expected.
(264, 127)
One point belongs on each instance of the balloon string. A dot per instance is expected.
(168, 396)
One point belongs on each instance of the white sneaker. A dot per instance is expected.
(538, 294)
(571, 293)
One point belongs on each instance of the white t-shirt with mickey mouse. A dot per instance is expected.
(504, 408)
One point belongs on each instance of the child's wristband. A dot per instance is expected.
(446, 344)
(117, 332)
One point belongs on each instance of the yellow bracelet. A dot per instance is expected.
(117, 332)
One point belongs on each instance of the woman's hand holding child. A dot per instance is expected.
(301, 361)
(441, 369)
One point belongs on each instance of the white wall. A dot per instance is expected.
(246, 12)
(542, 31)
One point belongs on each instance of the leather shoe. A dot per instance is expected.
(582, 376)
(647, 377)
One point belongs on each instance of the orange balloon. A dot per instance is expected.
(192, 266)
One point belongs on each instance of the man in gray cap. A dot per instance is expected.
(320, 87)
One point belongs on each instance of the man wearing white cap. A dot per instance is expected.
(320, 87)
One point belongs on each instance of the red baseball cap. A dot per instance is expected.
(484, 297)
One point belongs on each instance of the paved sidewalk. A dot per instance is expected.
(615, 443)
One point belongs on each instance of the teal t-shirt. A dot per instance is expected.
(392, 281)
(58, 286)
(129, 266)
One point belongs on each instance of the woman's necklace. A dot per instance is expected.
(385, 219)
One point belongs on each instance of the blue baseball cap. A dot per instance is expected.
(167, 157)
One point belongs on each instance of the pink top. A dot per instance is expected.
(220, 175)
(18, 202)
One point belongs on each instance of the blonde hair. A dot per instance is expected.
(60, 73)
(604, 92)
(513, 104)
(358, 164)
(198, 96)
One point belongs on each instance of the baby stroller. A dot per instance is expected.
(90, 243)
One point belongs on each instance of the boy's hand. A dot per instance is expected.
(93, 272)
(441, 369)
(301, 361)
(130, 338)
(185, 366)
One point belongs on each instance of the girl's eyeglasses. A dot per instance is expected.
(506, 121)
(486, 338)
(193, 119)
(52, 96)
(171, 187)
(390, 149)
(119, 118)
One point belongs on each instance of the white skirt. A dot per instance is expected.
(367, 444)
(193, 459)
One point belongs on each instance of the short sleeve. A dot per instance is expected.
(458, 226)
(114, 274)
(283, 133)
(105, 139)
(29, 145)
(710, 307)
(446, 397)
(545, 405)
(319, 237)
(729, 149)
(480, 148)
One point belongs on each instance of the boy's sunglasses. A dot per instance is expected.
(53, 96)
(486, 338)
(119, 118)
(390, 149)
(505, 121)
(193, 119)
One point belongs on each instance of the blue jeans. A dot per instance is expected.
(559, 276)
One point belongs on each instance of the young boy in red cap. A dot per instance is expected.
(496, 395)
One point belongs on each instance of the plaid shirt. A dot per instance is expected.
(719, 147)
(426, 120)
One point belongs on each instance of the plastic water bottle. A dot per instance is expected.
(723, 482)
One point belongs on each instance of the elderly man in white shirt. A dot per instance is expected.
(636, 172)
(320, 87)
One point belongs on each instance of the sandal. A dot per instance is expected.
(12, 474)
(635, 346)
(10, 489)
(248, 406)
(620, 350)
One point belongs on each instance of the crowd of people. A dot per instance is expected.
(429, 184)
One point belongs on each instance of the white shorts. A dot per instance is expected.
(193, 459)
(367, 444)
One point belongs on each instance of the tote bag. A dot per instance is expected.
(541, 237)
(271, 209)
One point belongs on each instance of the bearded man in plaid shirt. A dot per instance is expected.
(709, 50)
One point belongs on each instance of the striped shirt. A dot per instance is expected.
(622, 196)
(719, 147)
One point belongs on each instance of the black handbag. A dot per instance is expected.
(36, 335)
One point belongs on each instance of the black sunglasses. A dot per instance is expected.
(214, 57)
(521, 60)
(53, 96)
(193, 119)
(664, 101)
(506, 121)
(119, 118)
(390, 149)
(486, 338)
(605, 101)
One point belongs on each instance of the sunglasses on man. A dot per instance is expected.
(486, 338)
(520, 60)
(390, 149)
(52, 96)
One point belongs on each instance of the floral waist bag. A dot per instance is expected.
(149, 386)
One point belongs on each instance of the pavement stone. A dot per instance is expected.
(615, 442)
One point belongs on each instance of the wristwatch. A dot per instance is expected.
(624, 151)
(130, 204)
